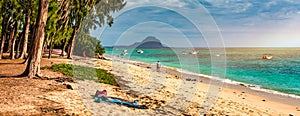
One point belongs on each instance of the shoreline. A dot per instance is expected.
(232, 82)
(278, 96)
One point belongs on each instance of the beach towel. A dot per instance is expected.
(101, 97)
(128, 104)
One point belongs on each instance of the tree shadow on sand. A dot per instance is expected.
(11, 69)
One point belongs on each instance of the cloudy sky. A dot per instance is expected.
(202, 23)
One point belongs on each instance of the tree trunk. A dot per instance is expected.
(4, 35)
(63, 48)
(5, 23)
(25, 41)
(72, 42)
(45, 44)
(18, 51)
(50, 48)
(33, 63)
(12, 52)
(3, 38)
(11, 36)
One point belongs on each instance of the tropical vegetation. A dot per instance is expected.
(27, 27)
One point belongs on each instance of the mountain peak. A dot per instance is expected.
(148, 42)
(150, 39)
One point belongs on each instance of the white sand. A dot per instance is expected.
(180, 96)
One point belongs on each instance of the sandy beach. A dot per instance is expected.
(22, 96)
(178, 95)
(167, 92)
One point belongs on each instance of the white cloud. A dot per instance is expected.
(242, 7)
(177, 3)
(270, 4)
(231, 6)
(293, 1)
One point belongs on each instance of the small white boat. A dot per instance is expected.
(124, 52)
(140, 51)
(267, 57)
(193, 52)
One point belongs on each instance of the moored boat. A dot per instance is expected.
(267, 56)
(193, 52)
(140, 51)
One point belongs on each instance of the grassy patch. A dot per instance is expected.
(84, 72)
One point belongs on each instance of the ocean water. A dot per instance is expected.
(281, 73)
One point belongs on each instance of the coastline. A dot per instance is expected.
(207, 78)
(229, 82)
(265, 94)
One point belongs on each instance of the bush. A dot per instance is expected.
(85, 72)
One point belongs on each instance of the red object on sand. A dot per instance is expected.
(100, 93)
(104, 92)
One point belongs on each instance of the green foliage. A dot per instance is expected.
(57, 29)
(84, 43)
(63, 68)
(66, 19)
(99, 49)
(84, 72)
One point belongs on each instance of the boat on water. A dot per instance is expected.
(124, 52)
(140, 51)
(193, 52)
(267, 57)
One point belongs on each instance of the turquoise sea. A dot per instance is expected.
(281, 73)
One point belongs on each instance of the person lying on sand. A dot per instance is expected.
(101, 96)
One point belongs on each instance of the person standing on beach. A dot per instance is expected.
(158, 66)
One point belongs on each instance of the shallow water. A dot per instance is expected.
(281, 73)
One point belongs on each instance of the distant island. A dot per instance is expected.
(149, 42)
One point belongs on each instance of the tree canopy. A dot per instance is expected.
(67, 21)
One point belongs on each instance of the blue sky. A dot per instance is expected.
(187, 23)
